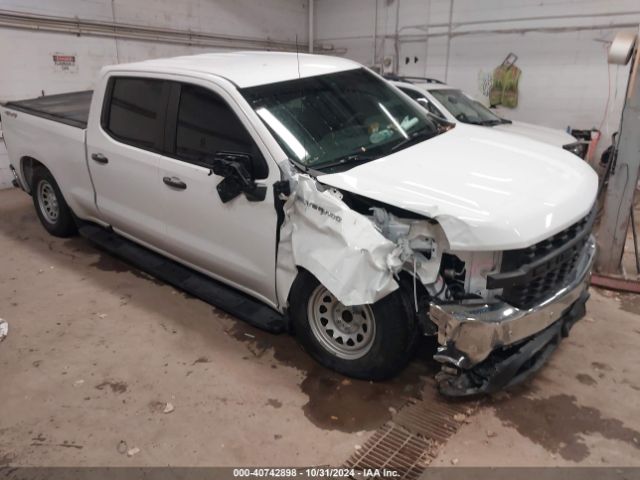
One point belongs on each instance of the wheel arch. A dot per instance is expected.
(405, 291)
(28, 164)
(393, 344)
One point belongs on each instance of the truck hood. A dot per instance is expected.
(548, 135)
(488, 190)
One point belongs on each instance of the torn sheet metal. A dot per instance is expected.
(4, 329)
(420, 242)
(342, 248)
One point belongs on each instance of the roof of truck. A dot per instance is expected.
(246, 69)
(423, 85)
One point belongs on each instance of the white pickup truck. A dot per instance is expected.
(305, 193)
(456, 106)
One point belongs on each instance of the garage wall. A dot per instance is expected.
(28, 69)
(26, 56)
(561, 44)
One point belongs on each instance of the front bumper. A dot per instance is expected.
(473, 337)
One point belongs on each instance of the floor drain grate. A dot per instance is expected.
(411, 440)
(395, 448)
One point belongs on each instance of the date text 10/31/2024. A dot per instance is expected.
(315, 472)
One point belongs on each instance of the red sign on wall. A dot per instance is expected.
(65, 63)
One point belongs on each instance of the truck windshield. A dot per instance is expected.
(340, 119)
(466, 109)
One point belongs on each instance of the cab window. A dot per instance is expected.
(206, 125)
(133, 111)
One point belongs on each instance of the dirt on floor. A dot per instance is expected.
(104, 365)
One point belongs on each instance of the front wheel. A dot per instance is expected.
(370, 342)
(53, 212)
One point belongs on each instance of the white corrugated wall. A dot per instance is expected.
(26, 55)
(561, 45)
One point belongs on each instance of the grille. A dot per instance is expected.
(548, 265)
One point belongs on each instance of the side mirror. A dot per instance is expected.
(237, 171)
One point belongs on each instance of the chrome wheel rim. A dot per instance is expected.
(346, 332)
(48, 202)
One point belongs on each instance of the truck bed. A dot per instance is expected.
(70, 108)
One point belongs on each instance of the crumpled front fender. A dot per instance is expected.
(340, 247)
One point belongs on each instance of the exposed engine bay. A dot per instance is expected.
(376, 243)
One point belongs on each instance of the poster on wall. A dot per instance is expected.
(485, 80)
(65, 62)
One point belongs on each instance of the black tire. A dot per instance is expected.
(62, 223)
(390, 349)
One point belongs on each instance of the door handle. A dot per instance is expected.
(175, 182)
(100, 158)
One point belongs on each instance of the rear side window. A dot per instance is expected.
(412, 93)
(133, 114)
(422, 100)
(207, 125)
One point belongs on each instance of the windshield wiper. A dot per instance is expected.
(491, 123)
(415, 137)
(347, 159)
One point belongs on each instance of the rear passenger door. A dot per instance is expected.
(233, 241)
(123, 155)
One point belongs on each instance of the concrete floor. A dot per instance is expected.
(96, 349)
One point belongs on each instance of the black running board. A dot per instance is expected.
(211, 291)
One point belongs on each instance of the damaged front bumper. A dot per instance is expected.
(487, 347)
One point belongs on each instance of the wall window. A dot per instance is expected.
(207, 125)
(134, 111)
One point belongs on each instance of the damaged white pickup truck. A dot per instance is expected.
(305, 193)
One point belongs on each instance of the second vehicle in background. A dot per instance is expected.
(456, 106)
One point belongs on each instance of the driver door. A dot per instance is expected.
(234, 241)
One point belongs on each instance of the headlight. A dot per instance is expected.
(577, 148)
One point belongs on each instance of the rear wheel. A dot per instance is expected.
(371, 342)
(53, 212)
